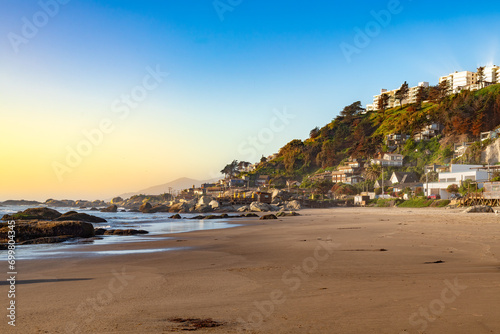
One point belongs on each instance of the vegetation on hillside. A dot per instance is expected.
(359, 134)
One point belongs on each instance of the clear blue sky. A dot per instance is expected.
(229, 69)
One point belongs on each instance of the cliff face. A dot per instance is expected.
(491, 155)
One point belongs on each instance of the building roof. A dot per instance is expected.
(405, 177)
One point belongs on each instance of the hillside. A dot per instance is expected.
(359, 134)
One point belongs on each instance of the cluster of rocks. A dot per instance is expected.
(45, 225)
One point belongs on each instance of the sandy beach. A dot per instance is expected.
(340, 270)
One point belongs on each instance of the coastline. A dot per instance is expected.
(327, 264)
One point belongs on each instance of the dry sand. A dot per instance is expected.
(322, 272)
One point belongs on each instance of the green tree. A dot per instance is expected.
(402, 93)
(421, 97)
(452, 188)
(480, 76)
(230, 169)
(372, 172)
(443, 89)
(383, 102)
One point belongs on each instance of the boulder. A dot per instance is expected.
(244, 208)
(82, 217)
(116, 200)
(93, 209)
(176, 216)
(214, 204)
(159, 208)
(180, 207)
(268, 217)
(111, 208)
(286, 214)
(203, 208)
(260, 207)
(204, 200)
(292, 205)
(479, 209)
(145, 207)
(250, 215)
(34, 213)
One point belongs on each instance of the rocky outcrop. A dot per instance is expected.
(479, 209)
(78, 216)
(287, 214)
(125, 232)
(34, 213)
(111, 208)
(43, 229)
(20, 202)
(260, 207)
(203, 208)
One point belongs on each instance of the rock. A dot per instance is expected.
(125, 232)
(292, 205)
(227, 208)
(203, 208)
(100, 231)
(204, 200)
(479, 209)
(62, 203)
(116, 200)
(159, 208)
(93, 209)
(244, 208)
(20, 202)
(260, 207)
(250, 215)
(34, 213)
(268, 217)
(111, 208)
(180, 207)
(214, 204)
(83, 217)
(286, 214)
(42, 229)
(145, 207)
(176, 216)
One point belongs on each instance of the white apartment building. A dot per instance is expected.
(459, 80)
(492, 74)
(456, 175)
(412, 97)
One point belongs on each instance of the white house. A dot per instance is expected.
(456, 175)
(389, 159)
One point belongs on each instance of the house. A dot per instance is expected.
(456, 175)
(490, 134)
(236, 183)
(262, 180)
(459, 149)
(321, 176)
(395, 139)
(428, 132)
(388, 159)
(403, 177)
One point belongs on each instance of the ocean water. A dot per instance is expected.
(156, 224)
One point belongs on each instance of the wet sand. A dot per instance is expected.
(341, 270)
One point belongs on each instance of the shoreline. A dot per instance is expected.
(234, 276)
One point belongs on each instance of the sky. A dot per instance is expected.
(99, 98)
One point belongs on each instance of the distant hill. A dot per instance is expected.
(176, 185)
